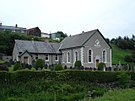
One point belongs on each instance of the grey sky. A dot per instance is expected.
(112, 17)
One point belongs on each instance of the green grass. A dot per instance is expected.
(116, 95)
(119, 54)
(1, 61)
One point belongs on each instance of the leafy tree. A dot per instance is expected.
(78, 64)
(128, 58)
(101, 65)
(39, 64)
(58, 67)
(17, 66)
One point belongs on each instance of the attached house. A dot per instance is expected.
(29, 51)
(89, 47)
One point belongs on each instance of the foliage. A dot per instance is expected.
(7, 40)
(116, 95)
(119, 54)
(78, 64)
(3, 67)
(130, 58)
(124, 79)
(39, 64)
(58, 67)
(17, 66)
(124, 43)
(53, 86)
(101, 65)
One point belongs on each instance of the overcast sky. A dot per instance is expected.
(112, 17)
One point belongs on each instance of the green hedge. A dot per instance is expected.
(88, 76)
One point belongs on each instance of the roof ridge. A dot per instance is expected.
(83, 32)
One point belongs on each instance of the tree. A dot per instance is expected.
(101, 66)
(39, 64)
(78, 64)
(62, 34)
(17, 66)
(58, 67)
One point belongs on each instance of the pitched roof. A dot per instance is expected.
(77, 40)
(35, 46)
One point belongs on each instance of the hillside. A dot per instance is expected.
(119, 54)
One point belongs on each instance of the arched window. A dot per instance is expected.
(104, 56)
(76, 56)
(90, 56)
(68, 57)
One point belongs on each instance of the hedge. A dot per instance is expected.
(88, 76)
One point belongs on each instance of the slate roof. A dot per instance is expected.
(36, 47)
(77, 40)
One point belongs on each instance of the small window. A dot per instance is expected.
(76, 56)
(56, 57)
(47, 57)
(36, 56)
(68, 57)
(90, 57)
(104, 56)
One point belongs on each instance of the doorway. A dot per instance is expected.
(97, 62)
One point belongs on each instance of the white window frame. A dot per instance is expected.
(89, 55)
(104, 56)
(68, 57)
(56, 56)
(47, 55)
(76, 55)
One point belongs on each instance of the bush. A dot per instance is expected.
(17, 66)
(3, 67)
(101, 66)
(39, 64)
(58, 67)
(78, 64)
(124, 79)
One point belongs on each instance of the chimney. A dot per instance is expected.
(16, 25)
(82, 32)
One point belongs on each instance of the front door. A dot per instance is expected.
(26, 60)
(97, 62)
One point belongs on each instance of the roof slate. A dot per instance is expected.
(36, 46)
(76, 40)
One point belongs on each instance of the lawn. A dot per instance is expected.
(119, 54)
(116, 95)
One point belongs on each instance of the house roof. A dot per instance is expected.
(76, 40)
(36, 47)
(12, 27)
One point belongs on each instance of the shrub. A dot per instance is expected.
(101, 65)
(39, 64)
(58, 67)
(17, 66)
(124, 79)
(78, 64)
(3, 67)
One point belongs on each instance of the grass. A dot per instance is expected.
(116, 95)
(119, 54)
(1, 61)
